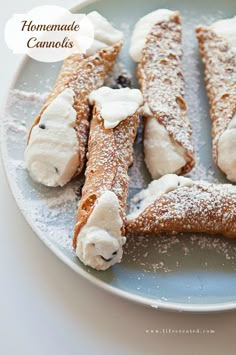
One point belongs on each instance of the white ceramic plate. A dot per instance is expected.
(190, 273)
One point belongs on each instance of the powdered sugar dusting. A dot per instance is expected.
(202, 172)
(163, 248)
(21, 95)
(163, 75)
(52, 211)
(220, 63)
(172, 253)
(200, 207)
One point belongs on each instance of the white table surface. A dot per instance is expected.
(47, 309)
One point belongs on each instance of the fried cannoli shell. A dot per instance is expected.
(200, 208)
(109, 157)
(162, 83)
(83, 75)
(219, 59)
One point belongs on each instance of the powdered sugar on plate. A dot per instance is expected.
(21, 95)
(52, 210)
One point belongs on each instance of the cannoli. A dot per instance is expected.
(99, 232)
(175, 204)
(57, 140)
(156, 46)
(217, 45)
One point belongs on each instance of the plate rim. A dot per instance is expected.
(113, 290)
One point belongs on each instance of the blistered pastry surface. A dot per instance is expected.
(219, 60)
(162, 83)
(110, 153)
(82, 75)
(202, 207)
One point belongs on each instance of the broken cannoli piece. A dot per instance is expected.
(217, 44)
(99, 232)
(57, 141)
(175, 204)
(157, 47)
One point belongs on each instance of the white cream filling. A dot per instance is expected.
(104, 33)
(51, 155)
(162, 154)
(227, 151)
(156, 189)
(226, 29)
(142, 28)
(116, 105)
(99, 243)
(227, 143)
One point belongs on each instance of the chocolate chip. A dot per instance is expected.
(123, 82)
(42, 126)
(57, 171)
(105, 258)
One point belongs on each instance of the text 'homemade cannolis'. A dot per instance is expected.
(156, 46)
(99, 233)
(57, 141)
